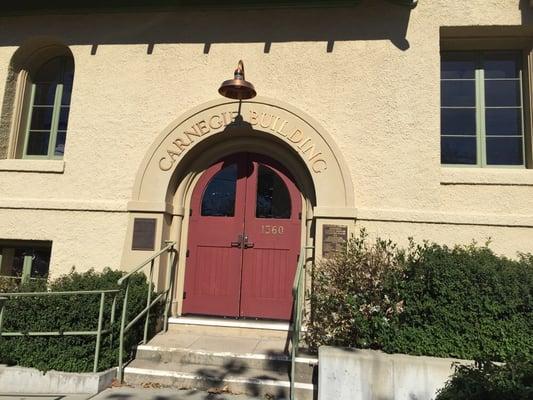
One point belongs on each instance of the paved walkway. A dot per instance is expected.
(164, 394)
(43, 396)
(127, 393)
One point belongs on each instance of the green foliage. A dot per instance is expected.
(10, 285)
(355, 295)
(487, 381)
(7, 284)
(71, 313)
(463, 302)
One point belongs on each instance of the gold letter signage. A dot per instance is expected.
(190, 135)
(295, 136)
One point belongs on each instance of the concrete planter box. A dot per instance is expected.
(352, 374)
(30, 380)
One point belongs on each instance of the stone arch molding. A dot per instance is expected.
(316, 148)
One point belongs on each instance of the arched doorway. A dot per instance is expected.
(181, 154)
(243, 240)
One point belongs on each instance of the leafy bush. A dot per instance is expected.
(10, 285)
(463, 302)
(356, 294)
(71, 313)
(7, 285)
(487, 381)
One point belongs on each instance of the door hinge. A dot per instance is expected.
(187, 253)
(184, 295)
(190, 212)
(299, 215)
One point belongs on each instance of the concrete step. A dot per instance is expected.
(232, 378)
(230, 327)
(306, 367)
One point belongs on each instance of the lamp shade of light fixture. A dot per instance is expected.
(237, 88)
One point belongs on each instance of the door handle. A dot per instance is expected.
(247, 244)
(238, 243)
(242, 242)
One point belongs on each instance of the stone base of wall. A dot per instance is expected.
(353, 374)
(15, 380)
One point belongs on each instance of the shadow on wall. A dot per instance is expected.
(520, 34)
(526, 9)
(370, 20)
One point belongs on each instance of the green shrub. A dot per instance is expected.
(487, 381)
(356, 295)
(71, 313)
(7, 285)
(10, 285)
(463, 302)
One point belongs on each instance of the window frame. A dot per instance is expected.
(524, 79)
(24, 65)
(224, 168)
(10, 246)
(56, 112)
(276, 175)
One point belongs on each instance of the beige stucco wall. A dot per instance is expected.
(369, 75)
(82, 240)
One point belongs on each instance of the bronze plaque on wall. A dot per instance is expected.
(334, 238)
(143, 234)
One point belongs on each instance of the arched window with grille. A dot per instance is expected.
(47, 119)
(40, 84)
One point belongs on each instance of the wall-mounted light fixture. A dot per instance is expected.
(237, 88)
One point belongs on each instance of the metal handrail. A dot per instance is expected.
(124, 325)
(5, 297)
(20, 277)
(168, 247)
(150, 303)
(44, 294)
(298, 292)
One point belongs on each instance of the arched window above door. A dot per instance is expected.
(219, 196)
(273, 198)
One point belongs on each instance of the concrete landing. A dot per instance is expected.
(226, 339)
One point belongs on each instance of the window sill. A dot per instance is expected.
(40, 166)
(486, 176)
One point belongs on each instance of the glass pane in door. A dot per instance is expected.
(273, 199)
(219, 196)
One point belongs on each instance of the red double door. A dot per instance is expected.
(244, 240)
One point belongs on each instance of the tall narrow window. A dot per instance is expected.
(46, 127)
(482, 108)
